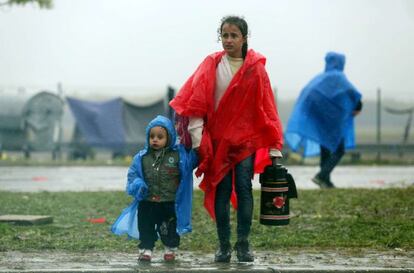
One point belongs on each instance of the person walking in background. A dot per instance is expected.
(232, 119)
(322, 121)
(160, 179)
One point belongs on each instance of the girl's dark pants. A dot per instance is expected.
(243, 183)
(157, 218)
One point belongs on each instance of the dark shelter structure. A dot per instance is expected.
(12, 135)
(31, 123)
(136, 119)
(116, 125)
(98, 124)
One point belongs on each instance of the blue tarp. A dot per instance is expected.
(100, 123)
(322, 114)
(113, 124)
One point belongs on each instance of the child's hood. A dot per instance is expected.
(167, 124)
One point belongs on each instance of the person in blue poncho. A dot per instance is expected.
(160, 179)
(322, 121)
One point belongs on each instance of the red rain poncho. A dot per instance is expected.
(245, 122)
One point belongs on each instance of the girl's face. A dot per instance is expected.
(158, 137)
(232, 40)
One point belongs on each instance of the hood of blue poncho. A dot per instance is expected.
(334, 61)
(168, 125)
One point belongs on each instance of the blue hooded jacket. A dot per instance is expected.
(127, 222)
(323, 112)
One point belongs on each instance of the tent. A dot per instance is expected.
(99, 124)
(114, 124)
(12, 134)
(31, 123)
(136, 119)
(42, 115)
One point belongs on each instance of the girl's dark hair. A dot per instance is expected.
(241, 24)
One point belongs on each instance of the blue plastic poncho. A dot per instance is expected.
(127, 222)
(323, 112)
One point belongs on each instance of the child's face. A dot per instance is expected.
(158, 137)
(232, 40)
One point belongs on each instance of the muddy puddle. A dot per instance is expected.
(328, 259)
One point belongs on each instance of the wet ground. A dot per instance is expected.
(114, 178)
(275, 261)
(32, 179)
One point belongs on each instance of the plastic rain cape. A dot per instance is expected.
(127, 222)
(245, 122)
(322, 114)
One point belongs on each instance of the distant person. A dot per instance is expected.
(229, 109)
(322, 121)
(160, 179)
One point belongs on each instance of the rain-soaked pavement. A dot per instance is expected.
(31, 179)
(271, 261)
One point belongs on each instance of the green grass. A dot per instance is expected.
(338, 218)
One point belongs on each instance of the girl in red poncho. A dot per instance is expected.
(232, 119)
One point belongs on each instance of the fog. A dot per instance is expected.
(134, 47)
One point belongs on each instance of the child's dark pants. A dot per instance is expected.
(157, 218)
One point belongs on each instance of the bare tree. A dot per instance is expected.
(46, 4)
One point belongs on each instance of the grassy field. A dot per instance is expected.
(323, 219)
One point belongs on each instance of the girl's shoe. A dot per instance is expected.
(243, 251)
(169, 254)
(145, 255)
(223, 254)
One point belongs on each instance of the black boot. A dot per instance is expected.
(223, 254)
(243, 251)
(323, 183)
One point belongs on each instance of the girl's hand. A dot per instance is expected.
(275, 153)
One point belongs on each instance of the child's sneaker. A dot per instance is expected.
(145, 255)
(169, 254)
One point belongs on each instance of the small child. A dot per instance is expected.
(160, 179)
